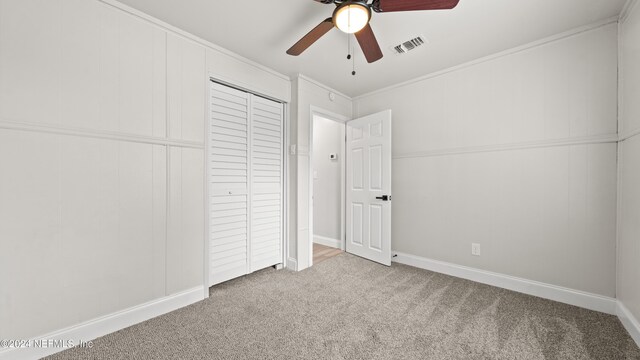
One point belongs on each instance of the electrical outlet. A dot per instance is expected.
(475, 249)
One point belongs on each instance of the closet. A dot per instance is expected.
(245, 183)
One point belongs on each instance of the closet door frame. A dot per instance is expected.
(284, 249)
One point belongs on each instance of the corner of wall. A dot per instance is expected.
(627, 10)
(630, 323)
(628, 291)
(292, 134)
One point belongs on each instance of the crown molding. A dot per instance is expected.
(321, 85)
(515, 50)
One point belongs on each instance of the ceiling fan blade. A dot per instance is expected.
(311, 37)
(324, 1)
(369, 44)
(410, 5)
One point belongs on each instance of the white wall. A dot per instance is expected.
(88, 178)
(516, 152)
(307, 94)
(629, 162)
(328, 138)
(102, 120)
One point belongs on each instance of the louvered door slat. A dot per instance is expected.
(275, 109)
(226, 104)
(222, 118)
(266, 220)
(231, 97)
(222, 220)
(260, 119)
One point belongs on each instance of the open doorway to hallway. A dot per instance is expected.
(328, 180)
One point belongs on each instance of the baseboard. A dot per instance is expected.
(322, 240)
(96, 328)
(629, 321)
(291, 264)
(547, 291)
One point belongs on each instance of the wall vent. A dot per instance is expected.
(407, 46)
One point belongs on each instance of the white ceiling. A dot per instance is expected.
(262, 30)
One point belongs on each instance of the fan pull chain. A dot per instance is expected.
(350, 56)
(353, 58)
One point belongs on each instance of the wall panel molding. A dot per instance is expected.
(165, 26)
(99, 134)
(589, 140)
(628, 135)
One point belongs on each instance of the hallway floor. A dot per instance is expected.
(322, 252)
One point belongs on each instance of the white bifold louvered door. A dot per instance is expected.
(246, 183)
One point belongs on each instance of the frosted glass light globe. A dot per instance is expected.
(351, 18)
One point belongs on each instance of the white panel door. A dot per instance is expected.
(369, 187)
(228, 184)
(266, 183)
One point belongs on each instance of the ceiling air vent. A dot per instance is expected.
(407, 46)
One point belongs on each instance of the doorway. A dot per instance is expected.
(359, 151)
(327, 186)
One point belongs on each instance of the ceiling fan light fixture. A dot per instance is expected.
(351, 17)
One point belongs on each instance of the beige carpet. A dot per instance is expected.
(349, 308)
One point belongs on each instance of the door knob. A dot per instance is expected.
(384, 198)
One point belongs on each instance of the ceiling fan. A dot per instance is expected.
(353, 16)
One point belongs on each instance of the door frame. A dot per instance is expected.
(317, 111)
